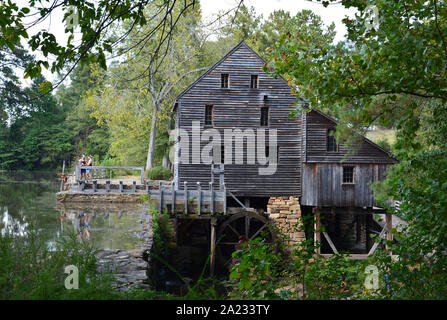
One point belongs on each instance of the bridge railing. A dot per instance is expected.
(100, 171)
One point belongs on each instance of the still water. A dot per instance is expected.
(29, 198)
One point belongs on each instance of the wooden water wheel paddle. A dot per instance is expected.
(237, 229)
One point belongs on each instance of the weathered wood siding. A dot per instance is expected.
(323, 185)
(323, 170)
(316, 138)
(240, 107)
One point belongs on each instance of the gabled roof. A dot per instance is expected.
(239, 45)
(389, 154)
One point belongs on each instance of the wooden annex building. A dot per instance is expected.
(236, 93)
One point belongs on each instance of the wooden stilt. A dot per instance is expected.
(369, 225)
(317, 231)
(389, 226)
(213, 222)
(199, 200)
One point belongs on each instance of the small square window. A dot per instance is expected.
(254, 81)
(348, 174)
(224, 80)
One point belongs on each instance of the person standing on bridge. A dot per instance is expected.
(82, 162)
(89, 163)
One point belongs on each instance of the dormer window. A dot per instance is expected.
(331, 144)
(224, 80)
(254, 81)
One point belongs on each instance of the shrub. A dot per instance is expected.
(159, 173)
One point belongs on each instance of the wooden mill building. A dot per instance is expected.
(236, 93)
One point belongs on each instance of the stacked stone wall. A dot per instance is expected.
(285, 212)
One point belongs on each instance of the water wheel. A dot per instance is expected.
(237, 229)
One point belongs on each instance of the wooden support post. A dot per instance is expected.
(369, 225)
(121, 186)
(317, 231)
(331, 244)
(213, 222)
(199, 199)
(134, 186)
(95, 185)
(221, 176)
(389, 226)
(225, 198)
(160, 198)
(172, 197)
(81, 185)
(107, 186)
(142, 175)
(211, 198)
(185, 190)
(358, 230)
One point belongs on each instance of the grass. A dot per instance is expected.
(31, 269)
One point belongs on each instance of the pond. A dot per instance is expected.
(29, 198)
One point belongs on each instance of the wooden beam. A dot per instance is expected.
(199, 199)
(317, 231)
(376, 244)
(334, 249)
(185, 190)
(389, 226)
(172, 197)
(213, 224)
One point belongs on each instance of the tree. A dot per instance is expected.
(95, 20)
(390, 71)
(148, 80)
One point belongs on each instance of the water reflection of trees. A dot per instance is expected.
(28, 198)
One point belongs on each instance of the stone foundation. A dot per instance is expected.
(285, 212)
(73, 196)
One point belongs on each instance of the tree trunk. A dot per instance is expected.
(150, 152)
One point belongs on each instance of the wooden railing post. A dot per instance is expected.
(199, 199)
(77, 173)
(121, 186)
(142, 175)
(95, 186)
(134, 186)
(108, 186)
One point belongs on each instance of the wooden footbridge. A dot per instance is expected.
(206, 205)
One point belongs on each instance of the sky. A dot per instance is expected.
(333, 13)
